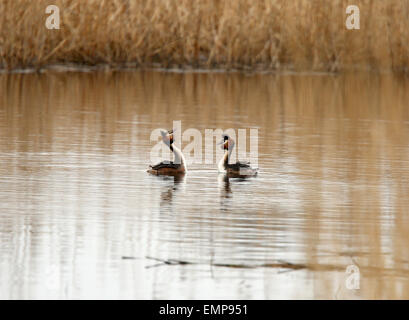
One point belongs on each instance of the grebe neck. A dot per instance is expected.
(178, 155)
(225, 160)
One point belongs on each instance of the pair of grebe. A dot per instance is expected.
(178, 166)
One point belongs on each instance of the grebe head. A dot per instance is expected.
(167, 136)
(227, 143)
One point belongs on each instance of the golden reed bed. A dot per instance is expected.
(244, 34)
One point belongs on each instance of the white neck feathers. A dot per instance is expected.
(178, 156)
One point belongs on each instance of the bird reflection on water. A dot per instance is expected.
(225, 191)
(170, 189)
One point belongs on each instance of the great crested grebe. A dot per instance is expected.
(234, 170)
(170, 168)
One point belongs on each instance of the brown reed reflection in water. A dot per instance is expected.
(75, 197)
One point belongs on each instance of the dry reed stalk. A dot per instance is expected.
(264, 34)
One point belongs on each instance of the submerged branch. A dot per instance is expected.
(280, 264)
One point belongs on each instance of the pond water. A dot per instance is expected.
(81, 218)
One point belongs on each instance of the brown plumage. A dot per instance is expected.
(240, 170)
(167, 168)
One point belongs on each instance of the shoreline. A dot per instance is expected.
(105, 67)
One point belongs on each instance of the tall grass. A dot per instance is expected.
(264, 34)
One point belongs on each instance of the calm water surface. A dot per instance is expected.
(75, 198)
